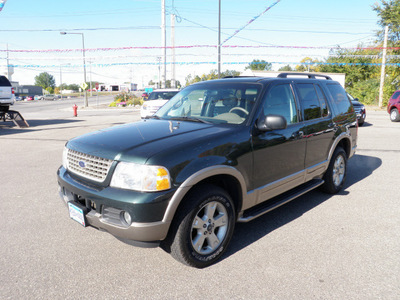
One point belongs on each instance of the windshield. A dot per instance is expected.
(210, 102)
(162, 95)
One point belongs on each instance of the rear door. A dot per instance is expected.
(318, 125)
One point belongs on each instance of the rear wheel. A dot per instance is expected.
(336, 174)
(394, 115)
(203, 227)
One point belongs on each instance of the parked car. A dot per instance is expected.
(145, 95)
(155, 100)
(28, 98)
(48, 97)
(393, 107)
(37, 97)
(18, 98)
(359, 108)
(219, 152)
(7, 96)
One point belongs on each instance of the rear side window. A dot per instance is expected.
(309, 101)
(4, 81)
(322, 100)
(340, 98)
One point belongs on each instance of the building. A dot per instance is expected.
(26, 90)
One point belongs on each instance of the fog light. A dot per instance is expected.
(127, 217)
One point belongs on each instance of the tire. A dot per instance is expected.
(203, 227)
(394, 115)
(335, 176)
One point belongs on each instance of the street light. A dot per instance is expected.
(84, 61)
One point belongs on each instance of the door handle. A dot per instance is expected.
(297, 135)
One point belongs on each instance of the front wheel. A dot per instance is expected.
(336, 174)
(394, 115)
(203, 227)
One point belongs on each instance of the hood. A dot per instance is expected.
(126, 140)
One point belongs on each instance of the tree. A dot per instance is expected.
(308, 65)
(389, 14)
(286, 68)
(72, 87)
(260, 65)
(356, 64)
(45, 80)
(212, 75)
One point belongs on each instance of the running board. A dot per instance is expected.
(280, 200)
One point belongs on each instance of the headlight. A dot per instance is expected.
(65, 158)
(142, 178)
(144, 106)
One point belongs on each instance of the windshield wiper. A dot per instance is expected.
(193, 119)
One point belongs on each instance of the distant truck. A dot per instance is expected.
(7, 96)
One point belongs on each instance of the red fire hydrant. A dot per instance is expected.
(75, 108)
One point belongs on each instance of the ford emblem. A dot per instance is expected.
(82, 164)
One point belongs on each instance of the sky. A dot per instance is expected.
(122, 38)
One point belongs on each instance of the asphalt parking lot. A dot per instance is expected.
(318, 246)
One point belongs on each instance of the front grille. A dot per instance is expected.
(88, 166)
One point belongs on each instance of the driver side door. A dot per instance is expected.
(279, 154)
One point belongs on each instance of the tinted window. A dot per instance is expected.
(340, 98)
(396, 95)
(309, 101)
(280, 101)
(322, 100)
(4, 81)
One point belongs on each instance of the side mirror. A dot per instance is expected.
(356, 99)
(271, 122)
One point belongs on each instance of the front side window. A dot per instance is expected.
(209, 102)
(279, 100)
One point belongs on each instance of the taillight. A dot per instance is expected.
(12, 91)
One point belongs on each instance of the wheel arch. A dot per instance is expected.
(226, 177)
(344, 141)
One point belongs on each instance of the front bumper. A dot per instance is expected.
(105, 208)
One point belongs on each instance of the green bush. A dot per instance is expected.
(125, 99)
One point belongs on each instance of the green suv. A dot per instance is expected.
(219, 152)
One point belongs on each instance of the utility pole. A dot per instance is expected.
(164, 44)
(8, 66)
(61, 82)
(219, 40)
(383, 67)
(173, 82)
(159, 76)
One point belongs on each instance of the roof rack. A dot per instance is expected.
(238, 76)
(310, 75)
